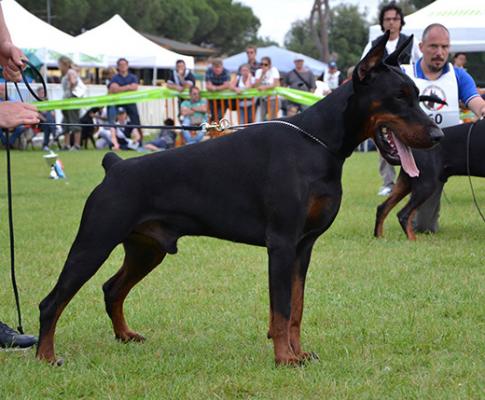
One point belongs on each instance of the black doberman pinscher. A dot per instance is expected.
(447, 159)
(276, 185)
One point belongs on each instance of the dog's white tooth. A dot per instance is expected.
(384, 129)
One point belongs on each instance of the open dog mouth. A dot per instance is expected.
(395, 151)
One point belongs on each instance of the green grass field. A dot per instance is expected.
(390, 319)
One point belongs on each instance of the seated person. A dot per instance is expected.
(13, 136)
(119, 138)
(166, 138)
(17, 132)
(194, 113)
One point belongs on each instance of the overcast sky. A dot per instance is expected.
(276, 16)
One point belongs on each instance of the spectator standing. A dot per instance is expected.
(72, 86)
(217, 78)
(11, 116)
(194, 113)
(180, 78)
(124, 81)
(434, 74)
(267, 77)
(300, 78)
(333, 76)
(391, 18)
(253, 63)
(459, 60)
(244, 80)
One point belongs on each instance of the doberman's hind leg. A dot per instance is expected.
(399, 191)
(85, 258)
(142, 255)
(297, 298)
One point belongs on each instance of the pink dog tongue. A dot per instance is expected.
(407, 159)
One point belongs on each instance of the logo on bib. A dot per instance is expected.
(433, 90)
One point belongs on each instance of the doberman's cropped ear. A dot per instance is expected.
(371, 59)
(393, 59)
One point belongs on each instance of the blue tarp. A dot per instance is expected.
(281, 58)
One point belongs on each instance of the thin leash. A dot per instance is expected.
(9, 194)
(468, 139)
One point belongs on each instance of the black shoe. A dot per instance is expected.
(11, 338)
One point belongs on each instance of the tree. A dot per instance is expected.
(223, 24)
(319, 26)
(347, 36)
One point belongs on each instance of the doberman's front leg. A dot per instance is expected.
(399, 191)
(281, 265)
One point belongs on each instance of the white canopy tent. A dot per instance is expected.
(47, 42)
(465, 19)
(115, 38)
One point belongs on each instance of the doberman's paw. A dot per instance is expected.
(130, 337)
(51, 359)
(308, 356)
(288, 362)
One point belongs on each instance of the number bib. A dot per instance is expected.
(446, 88)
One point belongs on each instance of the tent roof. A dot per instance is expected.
(115, 38)
(31, 33)
(181, 47)
(281, 58)
(463, 18)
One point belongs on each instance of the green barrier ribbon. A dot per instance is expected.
(296, 96)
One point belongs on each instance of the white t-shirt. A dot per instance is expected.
(270, 76)
(391, 46)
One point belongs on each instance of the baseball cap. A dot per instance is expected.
(298, 58)
(332, 64)
(120, 110)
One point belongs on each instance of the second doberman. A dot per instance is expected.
(460, 152)
(276, 185)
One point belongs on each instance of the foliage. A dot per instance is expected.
(224, 24)
(347, 38)
(389, 319)
(348, 35)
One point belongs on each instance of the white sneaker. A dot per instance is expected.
(384, 191)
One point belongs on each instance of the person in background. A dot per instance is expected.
(16, 132)
(72, 86)
(434, 74)
(244, 80)
(333, 76)
(300, 78)
(253, 63)
(124, 81)
(459, 60)
(194, 113)
(267, 77)
(180, 78)
(217, 78)
(50, 118)
(11, 116)
(165, 140)
(391, 18)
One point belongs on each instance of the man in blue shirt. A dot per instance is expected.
(124, 81)
(433, 74)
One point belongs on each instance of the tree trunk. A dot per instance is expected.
(319, 25)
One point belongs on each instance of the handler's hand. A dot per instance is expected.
(11, 60)
(15, 114)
